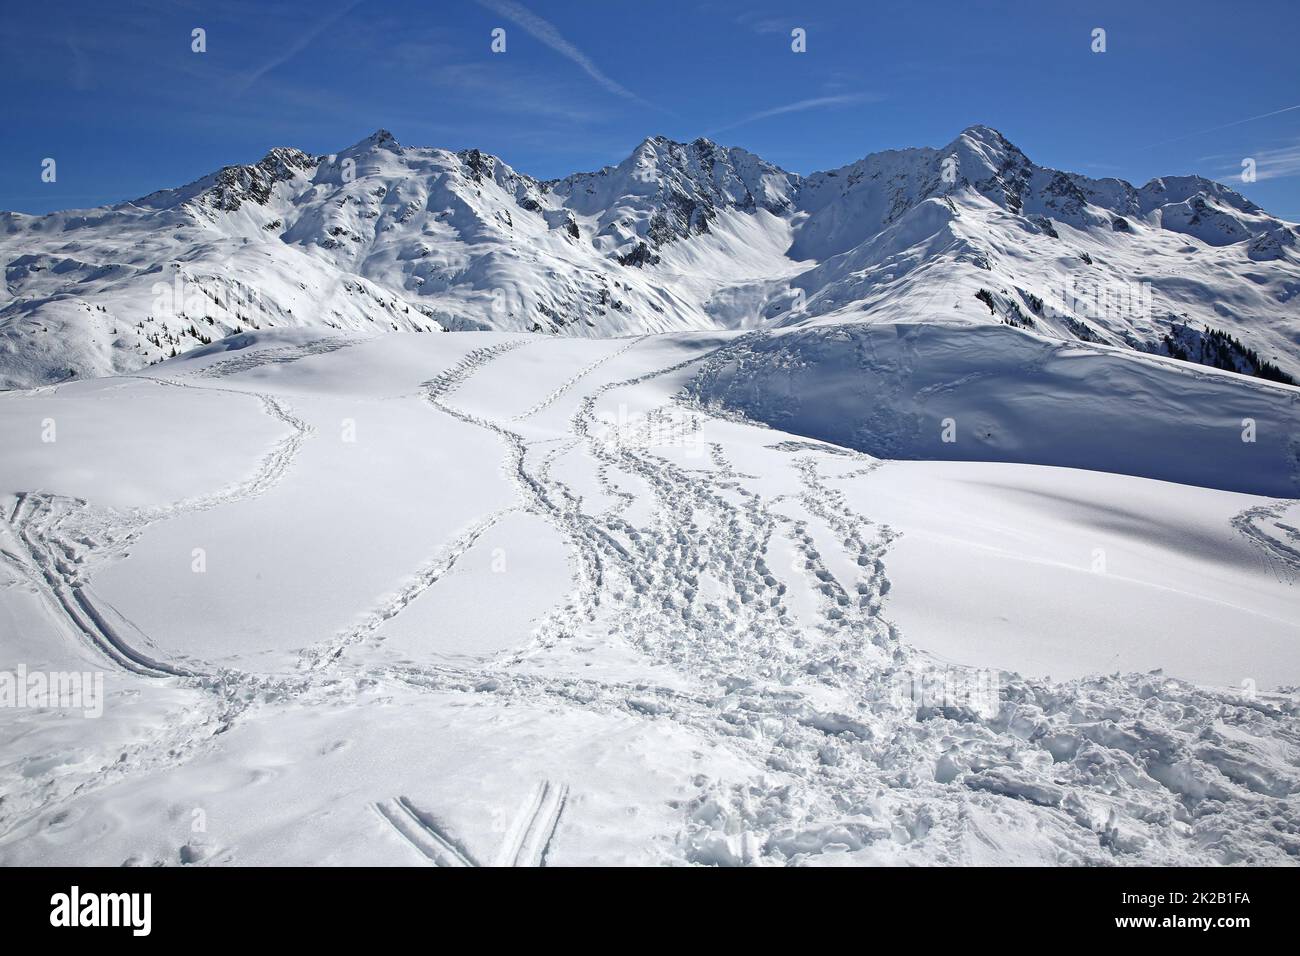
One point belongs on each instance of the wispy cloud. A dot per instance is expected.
(763, 25)
(294, 48)
(1279, 163)
(768, 24)
(530, 96)
(545, 32)
(1215, 129)
(800, 106)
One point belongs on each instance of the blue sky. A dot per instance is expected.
(114, 93)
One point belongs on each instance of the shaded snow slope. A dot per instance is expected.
(993, 393)
(1149, 574)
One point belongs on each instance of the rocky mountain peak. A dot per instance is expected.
(382, 139)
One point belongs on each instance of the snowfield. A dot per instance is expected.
(723, 596)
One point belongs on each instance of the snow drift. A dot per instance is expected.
(990, 393)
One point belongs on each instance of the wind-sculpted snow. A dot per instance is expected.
(724, 664)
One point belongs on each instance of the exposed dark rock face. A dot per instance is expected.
(639, 256)
(235, 185)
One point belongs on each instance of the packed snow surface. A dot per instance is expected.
(715, 597)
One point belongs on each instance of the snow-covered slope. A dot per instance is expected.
(947, 516)
(510, 599)
(385, 237)
(994, 393)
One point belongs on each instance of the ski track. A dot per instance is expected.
(423, 832)
(61, 540)
(1119, 769)
(529, 841)
(57, 541)
(1278, 542)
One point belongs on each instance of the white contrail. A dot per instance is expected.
(1214, 129)
(294, 49)
(843, 99)
(546, 32)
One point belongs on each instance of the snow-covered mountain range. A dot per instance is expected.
(915, 535)
(692, 236)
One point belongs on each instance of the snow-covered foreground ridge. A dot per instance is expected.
(678, 236)
(511, 599)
